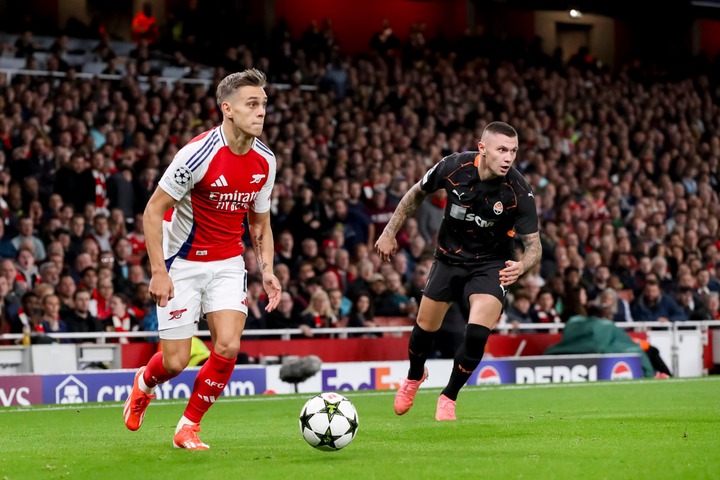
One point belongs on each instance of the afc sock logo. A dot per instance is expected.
(214, 384)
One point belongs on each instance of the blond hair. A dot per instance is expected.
(251, 77)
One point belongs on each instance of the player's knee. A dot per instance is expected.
(227, 349)
(176, 364)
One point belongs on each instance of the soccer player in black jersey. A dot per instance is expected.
(489, 203)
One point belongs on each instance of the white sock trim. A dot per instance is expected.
(183, 421)
(143, 386)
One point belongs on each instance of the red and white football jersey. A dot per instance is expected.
(214, 189)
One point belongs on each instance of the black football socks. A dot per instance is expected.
(419, 349)
(467, 358)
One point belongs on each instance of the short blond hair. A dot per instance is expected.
(251, 77)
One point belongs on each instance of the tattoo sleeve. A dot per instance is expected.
(405, 209)
(532, 250)
(258, 244)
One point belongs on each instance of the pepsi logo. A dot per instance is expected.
(621, 371)
(489, 376)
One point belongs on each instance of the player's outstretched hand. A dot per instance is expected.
(161, 289)
(272, 287)
(510, 273)
(386, 247)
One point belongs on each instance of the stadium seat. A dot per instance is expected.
(12, 63)
(43, 42)
(94, 67)
(122, 49)
(174, 72)
(74, 60)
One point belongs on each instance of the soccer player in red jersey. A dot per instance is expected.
(193, 231)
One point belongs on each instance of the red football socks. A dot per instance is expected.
(209, 384)
(155, 372)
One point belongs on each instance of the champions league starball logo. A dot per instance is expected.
(182, 176)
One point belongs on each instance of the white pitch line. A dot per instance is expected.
(357, 393)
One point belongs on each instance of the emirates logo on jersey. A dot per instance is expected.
(498, 208)
(232, 201)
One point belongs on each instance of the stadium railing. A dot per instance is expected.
(142, 79)
(675, 339)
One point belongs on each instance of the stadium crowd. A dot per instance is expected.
(624, 166)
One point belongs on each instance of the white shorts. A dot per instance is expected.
(201, 287)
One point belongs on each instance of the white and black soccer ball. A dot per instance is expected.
(328, 421)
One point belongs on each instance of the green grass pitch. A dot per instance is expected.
(650, 429)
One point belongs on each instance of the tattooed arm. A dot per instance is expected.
(528, 259)
(533, 250)
(386, 245)
(262, 240)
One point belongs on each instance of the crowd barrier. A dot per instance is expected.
(115, 385)
(689, 348)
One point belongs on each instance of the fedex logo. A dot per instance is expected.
(376, 381)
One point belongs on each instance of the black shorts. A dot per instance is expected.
(455, 283)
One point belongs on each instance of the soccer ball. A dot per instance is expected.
(328, 421)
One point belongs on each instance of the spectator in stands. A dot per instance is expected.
(300, 288)
(282, 272)
(120, 318)
(544, 307)
(77, 235)
(7, 310)
(121, 190)
(79, 319)
(105, 292)
(101, 232)
(694, 309)
(24, 45)
(319, 313)
(362, 313)
(143, 308)
(29, 315)
(713, 304)
(11, 274)
(28, 274)
(654, 305)
(65, 291)
(7, 248)
(520, 309)
(122, 250)
(361, 283)
(286, 315)
(51, 321)
(144, 26)
(49, 273)
(574, 302)
(285, 247)
(255, 303)
(26, 235)
(340, 305)
(384, 301)
(615, 304)
(385, 43)
(354, 223)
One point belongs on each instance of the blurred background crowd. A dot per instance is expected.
(623, 162)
